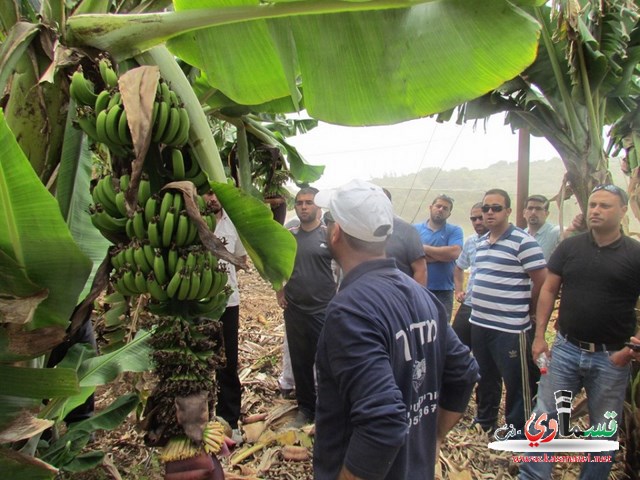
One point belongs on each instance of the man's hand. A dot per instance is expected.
(282, 302)
(345, 474)
(622, 357)
(460, 295)
(539, 346)
(577, 225)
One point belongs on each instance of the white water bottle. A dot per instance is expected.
(543, 363)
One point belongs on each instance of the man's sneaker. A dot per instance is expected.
(236, 436)
(300, 421)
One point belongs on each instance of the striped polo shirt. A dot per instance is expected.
(502, 286)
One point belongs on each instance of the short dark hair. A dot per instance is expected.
(387, 193)
(444, 197)
(538, 198)
(502, 193)
(306, 191)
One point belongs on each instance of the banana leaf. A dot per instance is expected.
(134, 356)
(64, 453)
(38, 382)
(35, 236)
(360, 63)
(25, 467)
(72, 193)
(260, 234)
(366, 67)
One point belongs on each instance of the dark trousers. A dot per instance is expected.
(303, 331)
(446, 298)
(504, 356)
(461, 324)
(229, 387)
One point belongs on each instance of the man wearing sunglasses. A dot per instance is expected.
(442, 244)
(467, 260)
(536, 211)
(510, 269)
(599, 274)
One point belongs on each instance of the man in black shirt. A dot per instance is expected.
(599, 273)
(304, 300)
(405, 247)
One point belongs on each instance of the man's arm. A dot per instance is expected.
(441, 254)
(282, 301)
(546, 300)
(537, 280)
(447, 419)
(458, 282)
(419, 269)
(577, 225)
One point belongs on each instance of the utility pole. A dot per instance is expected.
(522, 187)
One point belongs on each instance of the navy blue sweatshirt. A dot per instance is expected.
(387, 358)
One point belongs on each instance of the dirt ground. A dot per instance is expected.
(465, 456)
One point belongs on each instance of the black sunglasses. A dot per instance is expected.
(612, 189)
(475, 219)
(493, 208)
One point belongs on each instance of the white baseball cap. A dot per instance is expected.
(360, 208)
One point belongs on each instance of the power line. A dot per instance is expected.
(424, 155)
(428, 189)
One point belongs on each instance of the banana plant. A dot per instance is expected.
(355, 63)
(584, 78)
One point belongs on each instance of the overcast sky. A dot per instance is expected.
(368, 152)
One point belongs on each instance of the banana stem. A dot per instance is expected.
(201, 140)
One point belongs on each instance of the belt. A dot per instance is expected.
(593, 347)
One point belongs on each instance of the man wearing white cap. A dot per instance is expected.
(393, 377)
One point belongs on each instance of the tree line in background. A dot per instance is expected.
(412, 194)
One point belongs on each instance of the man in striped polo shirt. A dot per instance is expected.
(510, 269)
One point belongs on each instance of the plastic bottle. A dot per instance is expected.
(543, 363)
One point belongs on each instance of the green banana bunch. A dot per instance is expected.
(170, 119)
(82, 90)
(112, 128)
(112, 228)
(177, 166)
(104, 193)
(107, 73)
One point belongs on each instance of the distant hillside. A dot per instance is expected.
(412, 194)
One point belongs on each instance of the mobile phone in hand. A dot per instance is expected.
(633, 346)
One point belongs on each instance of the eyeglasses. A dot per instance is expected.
(493, 208)
(612, 189)
(476, 219)
(328, 218)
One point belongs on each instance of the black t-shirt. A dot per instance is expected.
(404, 245)
(600, 288)
(311, 285)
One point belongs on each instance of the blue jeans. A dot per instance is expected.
(605, 385)
(446, 298)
